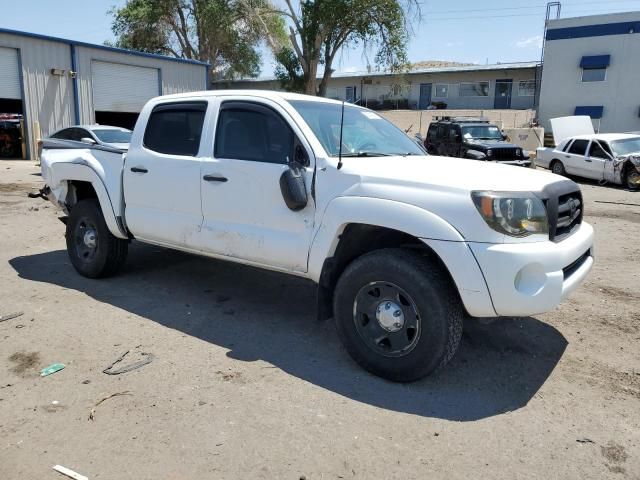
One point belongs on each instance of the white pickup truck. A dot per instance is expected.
(401, 245)
(608, 157)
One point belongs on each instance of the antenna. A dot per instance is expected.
(340, 147)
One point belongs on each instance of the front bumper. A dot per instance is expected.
(532, 278)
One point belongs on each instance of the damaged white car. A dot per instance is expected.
(401, 249)
(607, 157)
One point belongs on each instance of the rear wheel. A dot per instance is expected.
(631, 178)
(557, 167)
(398, 314)
(92, 249)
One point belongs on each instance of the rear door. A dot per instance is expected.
(244, 212)
(162, 176)
(574, 157)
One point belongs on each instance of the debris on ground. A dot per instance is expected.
(9, 316)
(133, 366)
(69, 473)
(93, 410)
(53, 368)
(584, 440)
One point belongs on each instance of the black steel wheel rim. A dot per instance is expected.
(85, 239)
(387, 319)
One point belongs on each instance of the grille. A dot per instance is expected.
(564, 209)
(504, 154)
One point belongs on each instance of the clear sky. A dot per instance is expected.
(475, 31)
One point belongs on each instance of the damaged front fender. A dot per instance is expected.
(626, 171)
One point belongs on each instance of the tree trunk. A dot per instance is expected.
(310, 79)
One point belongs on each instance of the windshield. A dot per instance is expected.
(113, 136)
(488, 132)
(626, 146)
(365, 133)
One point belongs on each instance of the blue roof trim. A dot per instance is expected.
(595, 61)
(592, 111)
(601, 30)
(101, 47)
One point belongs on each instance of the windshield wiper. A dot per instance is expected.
(366, 154)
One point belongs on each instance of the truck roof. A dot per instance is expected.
(274, 95)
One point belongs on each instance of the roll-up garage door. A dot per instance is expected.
(122, 88)
(9, 74)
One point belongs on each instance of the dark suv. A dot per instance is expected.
(473, 138)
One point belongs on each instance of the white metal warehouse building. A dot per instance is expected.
(591, 68)
(54, 83)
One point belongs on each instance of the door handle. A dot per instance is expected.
(139, 170)
(567, 156)
(214, 178)
(587, 160)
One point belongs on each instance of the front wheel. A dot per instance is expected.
(92, 248)
(631, 178)
(398, 314)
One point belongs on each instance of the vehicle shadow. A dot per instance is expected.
(260, 315)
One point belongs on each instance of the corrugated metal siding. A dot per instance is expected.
(48, 98)
(9, 74)
(140, 85)
(176, 77)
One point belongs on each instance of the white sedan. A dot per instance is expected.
(609, 157)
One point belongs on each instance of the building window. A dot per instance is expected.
(594, 68)
(594, 74)
(474, 89)
(526, 88)
(441, 90)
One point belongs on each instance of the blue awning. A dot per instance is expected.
(595, 61)
(591, 111)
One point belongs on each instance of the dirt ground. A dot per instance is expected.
(245, 383)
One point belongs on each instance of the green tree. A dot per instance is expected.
(319, 29)
(224, 33)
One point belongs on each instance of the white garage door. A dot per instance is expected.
(122, 88)
(9, 74)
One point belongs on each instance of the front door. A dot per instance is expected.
(161, 178)
(245, 215)
(595, 160)
(503, 94)
(425, 96)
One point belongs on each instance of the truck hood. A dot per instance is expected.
(477, 142)
(450, 173)
(442, 186)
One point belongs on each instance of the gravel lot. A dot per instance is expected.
(246, 384)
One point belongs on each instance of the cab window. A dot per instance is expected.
(248, 131)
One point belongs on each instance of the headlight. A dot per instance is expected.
(518, 214)
(518, 152)
(489, 153)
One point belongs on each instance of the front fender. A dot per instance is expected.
(342, 211)
(60, 173)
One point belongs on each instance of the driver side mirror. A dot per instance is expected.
(88, 140)
(292, 186)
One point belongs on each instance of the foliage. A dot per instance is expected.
(319, 29)
(224, 33)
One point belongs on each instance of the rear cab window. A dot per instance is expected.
(175, 128)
